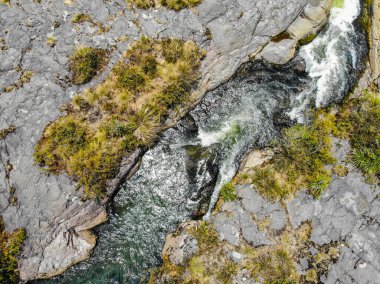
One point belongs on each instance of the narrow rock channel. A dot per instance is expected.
(181, 176)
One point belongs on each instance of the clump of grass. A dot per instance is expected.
(85, 63)
(228, 192)
(299, 161)
(142, 4)
(273, 266)
(10, 249)
(206, 236)
(176, 5)
(51, 41)
(340, 170)
(359, 121)
(124, 113)
(81, 18)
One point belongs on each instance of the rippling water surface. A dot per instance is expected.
(193, 160)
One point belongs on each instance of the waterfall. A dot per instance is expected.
(329, 59)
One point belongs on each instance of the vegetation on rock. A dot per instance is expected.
(274, 263)
(359, 121)
(303, 151)
(6, 131)
(299, 161)
(125, 112)
(228, 192)
(176, 5)
(81, 18)
(85, 63)
(10, 248)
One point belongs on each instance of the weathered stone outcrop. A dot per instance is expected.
(345, 220)
(37, 39)
(307, 25)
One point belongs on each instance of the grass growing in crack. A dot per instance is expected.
(6, 131)
(125, 112)
(359, 121)
(228, 192)
(10, 249)
(85, 63)
(81, 18)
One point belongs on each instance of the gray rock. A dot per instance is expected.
(235, 256)
(279, 52)
(347, 212)
(180, 248)
(254, 203)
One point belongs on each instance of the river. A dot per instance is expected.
(181, 176)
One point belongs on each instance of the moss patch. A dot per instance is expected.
(85, 63)
(81, 18)
(228, 192)
(176, 5)
(10, 248)
(125, 112)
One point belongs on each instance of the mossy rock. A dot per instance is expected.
(85, 63)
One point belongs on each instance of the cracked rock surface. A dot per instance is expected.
(39, 38)
(348, 214)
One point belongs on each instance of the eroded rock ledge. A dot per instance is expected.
(38, 38)
(305, 240)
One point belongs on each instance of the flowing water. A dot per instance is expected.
(194, 159)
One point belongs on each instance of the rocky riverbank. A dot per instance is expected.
(252, 237)
(37, 39)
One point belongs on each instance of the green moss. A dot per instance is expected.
(125, 112)
(10, 249)
(338, 3)
(308, 39)
(81, 18)
(85, 63)
(366, 19)
(228, 192)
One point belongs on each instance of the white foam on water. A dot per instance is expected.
(323, 58)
